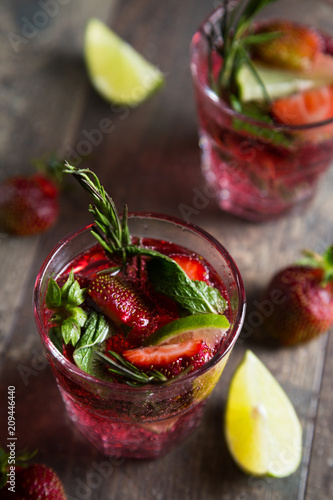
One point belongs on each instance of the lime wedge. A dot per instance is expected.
(117, 71)
(262, 430)
(207, 327)
(277, 82)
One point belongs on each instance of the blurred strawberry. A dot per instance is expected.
(294, 47)
(310, 106)
(305, 308)
(29, 204)
(32, 482)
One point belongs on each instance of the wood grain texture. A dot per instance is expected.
(148, 158)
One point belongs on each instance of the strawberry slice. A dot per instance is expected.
(122, 302)
(193, 267)
(307, 107)
(295, 47)
(170, 359)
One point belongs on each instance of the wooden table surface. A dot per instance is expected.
(149, 158)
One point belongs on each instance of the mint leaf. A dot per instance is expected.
(66, 287)
(253, 111)
(196, 297)
(75, 294)
(70, 331)
(53, 295)
(56, 338)
(68, 317)
(213, 296)
(79, 315)
(96, 331)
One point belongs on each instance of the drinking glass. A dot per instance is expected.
(146, 421)
(259, 170)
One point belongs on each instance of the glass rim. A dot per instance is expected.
(121, 387)
(218, 102)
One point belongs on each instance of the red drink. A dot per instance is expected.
(139, 421)
(258, 169)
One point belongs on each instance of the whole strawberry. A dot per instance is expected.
(39, 482)
(304, 308)
(20, 481)
(29, 204)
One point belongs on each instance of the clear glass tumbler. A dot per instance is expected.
(139, 422)
(259, 170)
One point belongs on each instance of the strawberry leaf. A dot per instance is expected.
(318, 261)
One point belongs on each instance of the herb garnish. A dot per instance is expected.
(133, 376)
(68, 317)
(86, 331)
(232, 42)
(113, 234)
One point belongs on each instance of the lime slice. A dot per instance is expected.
(277, 82)
(207, 327)
(262, 430)
(117, 71)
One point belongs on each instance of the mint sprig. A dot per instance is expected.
(68, 318)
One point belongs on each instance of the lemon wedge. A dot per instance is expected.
(262, 430)
(116, 70)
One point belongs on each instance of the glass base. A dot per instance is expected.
(242, 188)
(131, 439)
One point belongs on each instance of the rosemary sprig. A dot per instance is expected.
(111, 232)
(132, 375)
(233, 39)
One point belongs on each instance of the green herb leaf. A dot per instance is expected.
(195, 296)
(56, 337)
(75, 294)
(234, 31)
(253, 111)
(68, 317)
(96, 331)
(53, 295)
(70, 331)
(66, 287)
